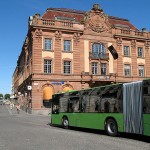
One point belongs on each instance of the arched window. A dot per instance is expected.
(47, 96)
(47, 93)
(99, 50)
(67, 88)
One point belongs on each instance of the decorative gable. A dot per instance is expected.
(96, 20)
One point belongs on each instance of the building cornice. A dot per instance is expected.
(131, 37)
(72, 30)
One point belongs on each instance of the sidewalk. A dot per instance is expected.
(40, 119)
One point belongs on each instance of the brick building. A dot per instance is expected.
(69, 49)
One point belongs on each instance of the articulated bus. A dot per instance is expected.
(113, 108)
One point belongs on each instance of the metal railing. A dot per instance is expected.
(99, 55)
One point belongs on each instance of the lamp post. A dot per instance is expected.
(29, 88)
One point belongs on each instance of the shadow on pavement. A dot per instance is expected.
(102, 132)
(135, 137)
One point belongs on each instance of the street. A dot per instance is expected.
(33, 132)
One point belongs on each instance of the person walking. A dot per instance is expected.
(18, 108)
(11, 106)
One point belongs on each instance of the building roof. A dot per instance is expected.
(78, 16)
(121, 22)
(67, 10)
(54, 13)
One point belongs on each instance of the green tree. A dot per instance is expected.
(7, 96)
(1, 95)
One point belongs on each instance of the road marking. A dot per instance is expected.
(10, 112)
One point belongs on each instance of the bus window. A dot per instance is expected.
(83, 104)
(146, 105)
(106, 107)
(94, 104)
(146, 97)
(73, 105)
(55, 104)
(64, 102)
(111, 100)
(55, 109)
(85, 96)
(97, 105)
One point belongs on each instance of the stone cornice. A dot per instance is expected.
(131, 37)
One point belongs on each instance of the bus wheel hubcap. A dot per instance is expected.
(111, 127)
(65, 122)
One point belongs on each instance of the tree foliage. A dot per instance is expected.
(1, 95)
(7, 96)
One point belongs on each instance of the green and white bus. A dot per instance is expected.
(113, 108)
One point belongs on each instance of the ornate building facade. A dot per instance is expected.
(70, 50)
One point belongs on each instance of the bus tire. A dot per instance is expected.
(111, 127)
(65, 123)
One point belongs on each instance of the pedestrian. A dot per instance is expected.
(11, 106)
(18, 108)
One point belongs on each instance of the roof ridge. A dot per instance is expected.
(117, 18)
(82, 12)
(67, 10)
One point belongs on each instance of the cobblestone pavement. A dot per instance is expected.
(33, 132)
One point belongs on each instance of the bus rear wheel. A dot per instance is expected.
(111, 127)
(65, 123)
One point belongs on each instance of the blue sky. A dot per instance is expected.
(14, 24)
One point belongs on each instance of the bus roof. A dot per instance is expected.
(72, 91)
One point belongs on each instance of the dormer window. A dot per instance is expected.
(64, 18)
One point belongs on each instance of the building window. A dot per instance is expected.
(141, 71)
(67, 45)
(103, 68)
(94, 68)
(140, 52)
(126, 51)
(67, 67)
(47, 44)
(127, 70)
(47, 66)
(99, 50)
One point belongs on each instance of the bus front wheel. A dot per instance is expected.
(111, 127)
(65, 123)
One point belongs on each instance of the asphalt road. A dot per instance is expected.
(33, 132)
